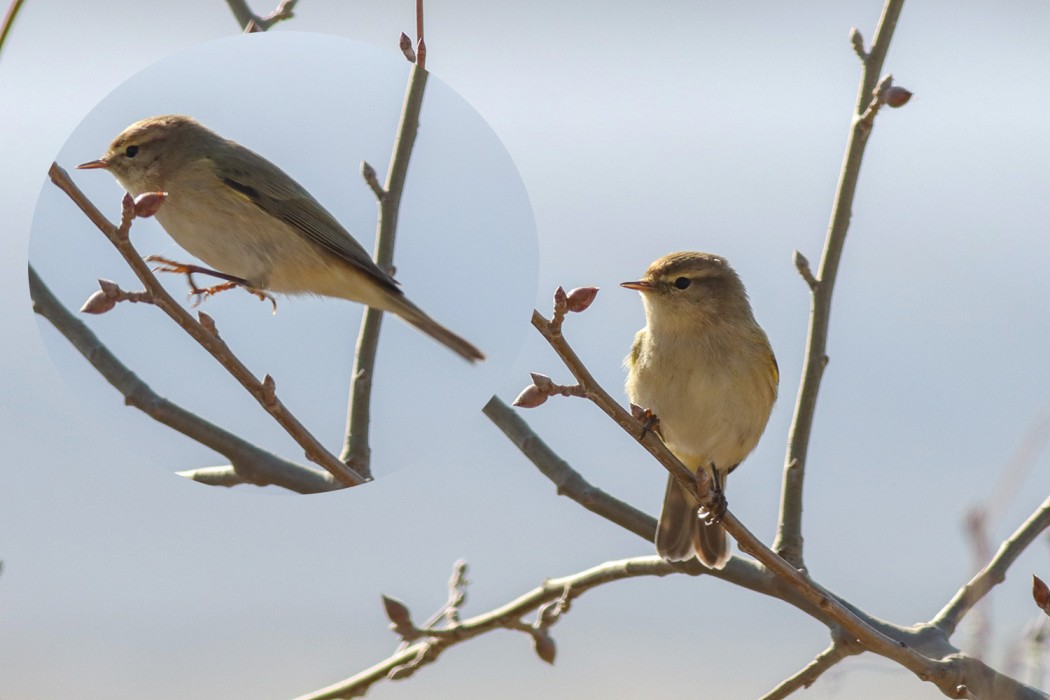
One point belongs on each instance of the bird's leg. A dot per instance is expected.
(650, 422)
(712, 511)
(199, 294)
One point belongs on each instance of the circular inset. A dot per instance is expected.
(318, 107)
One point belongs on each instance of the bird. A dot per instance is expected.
(705, 369)
(256, 226)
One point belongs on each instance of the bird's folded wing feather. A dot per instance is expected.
(292, 204)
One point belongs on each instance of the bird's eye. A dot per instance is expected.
(682, 282)
(131, 151)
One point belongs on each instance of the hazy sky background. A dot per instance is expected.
(637, 130)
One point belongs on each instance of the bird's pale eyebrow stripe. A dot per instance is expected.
(246, 190)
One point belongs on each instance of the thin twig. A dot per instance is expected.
(789, 531)
(251, 22)
(838, 650)
(356, 450)
(995, 572)
(250, 463)
(508, 616)
(262, 391)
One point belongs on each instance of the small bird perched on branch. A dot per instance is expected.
(704, 368)
(248, 219)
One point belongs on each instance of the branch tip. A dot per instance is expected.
(857, 41)
(802, 265)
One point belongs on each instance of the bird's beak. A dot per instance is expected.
(640, 286)
(93, 165)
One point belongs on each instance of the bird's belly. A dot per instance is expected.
(238, 239)
(705, 417)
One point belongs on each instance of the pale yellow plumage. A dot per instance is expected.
(247, 218)
(704, 367)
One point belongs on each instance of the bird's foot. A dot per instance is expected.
(650, 422)
(714, 509)
(199, 294)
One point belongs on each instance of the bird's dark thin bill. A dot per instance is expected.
(93, 165)
(641, 285)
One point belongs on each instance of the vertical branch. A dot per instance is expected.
(789, 533)
(356, 450)
(421, 46)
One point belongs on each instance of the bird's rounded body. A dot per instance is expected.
(705, 369)
(246, 218)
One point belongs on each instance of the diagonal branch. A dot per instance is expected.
(995, 572)
(263, 391)
(250, 463)
(838, 650)
(789, 532)
(569, 482)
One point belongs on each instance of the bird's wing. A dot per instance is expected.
(260, 181)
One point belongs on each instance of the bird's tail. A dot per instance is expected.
(681, 535)
(412, 314)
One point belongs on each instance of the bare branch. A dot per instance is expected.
(356, 450)
(568, 481)
(995, 572)
(251, 22)
(789, 533)
(208, 339)
(421, 45)
(250, 463)
(838, 650)
(428, 649)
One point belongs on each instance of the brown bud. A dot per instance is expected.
(857, 41)
(544, 646)
(148, 203)
(560, 297)
(896, 96)
(580, 298)
(530, 397)
(1041, 594)
(405, 44)
(269, 390)
(397, 612)
(208, 322)
(98, 303)
(109, 287)
(542, 381)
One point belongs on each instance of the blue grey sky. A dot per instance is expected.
(636, 130)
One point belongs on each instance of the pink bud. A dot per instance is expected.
(148, 203)
(531, 397)
(580, 298)
(896, 96)
(1041, 594)
(405, 45)
(98, 303)
(544, 646)
(397, 612)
